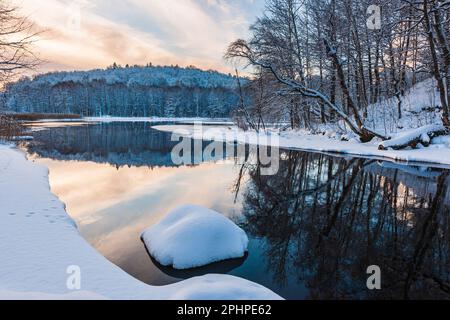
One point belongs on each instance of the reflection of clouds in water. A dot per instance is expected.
(112, 206)
(309, 221)
(87, 187)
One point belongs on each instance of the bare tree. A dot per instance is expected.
(332, 67)
(17, 35)
(240, 49)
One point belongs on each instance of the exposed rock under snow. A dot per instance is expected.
(39, 242)
(192, 236)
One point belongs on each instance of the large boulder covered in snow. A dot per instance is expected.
(192, 236)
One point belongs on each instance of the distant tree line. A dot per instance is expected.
(137, 91)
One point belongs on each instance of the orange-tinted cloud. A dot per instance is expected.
(85, 34)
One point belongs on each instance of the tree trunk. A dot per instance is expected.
(436, 66)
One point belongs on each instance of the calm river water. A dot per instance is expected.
(314, 227)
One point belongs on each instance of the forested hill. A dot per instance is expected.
(127, 91)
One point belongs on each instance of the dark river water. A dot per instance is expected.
(314, 227)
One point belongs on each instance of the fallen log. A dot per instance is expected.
(412, 138)
(375, 134)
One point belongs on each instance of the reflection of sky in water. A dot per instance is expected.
(103, 187)
(308, 225)
(113, 206)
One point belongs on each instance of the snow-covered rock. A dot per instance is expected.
(39, 243)
(193, 236)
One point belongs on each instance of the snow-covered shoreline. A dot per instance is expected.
(205, 121)
(435, 154)
(111, 119)
(39, 242)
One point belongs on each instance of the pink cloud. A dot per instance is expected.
(77, 37)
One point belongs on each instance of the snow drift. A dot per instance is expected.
(193, 236)
(213, 288)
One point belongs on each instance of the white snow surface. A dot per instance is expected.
(437, 153)
(420, 114)
(192, 236)
(205, 121)
(38, 242)
(419, 108)
(408, 135)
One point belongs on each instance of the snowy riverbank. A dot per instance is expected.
(107, 119)
(39, 242)
(420, 111)
(437, 153)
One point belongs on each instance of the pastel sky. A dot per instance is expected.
(86, 34)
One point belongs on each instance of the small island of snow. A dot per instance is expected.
(192, 236)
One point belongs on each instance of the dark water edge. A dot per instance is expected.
(314, 227)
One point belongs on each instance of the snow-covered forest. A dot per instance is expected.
(349, 64)
(140, 91)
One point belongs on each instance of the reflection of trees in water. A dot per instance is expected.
(327, 219)
(118, 143)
